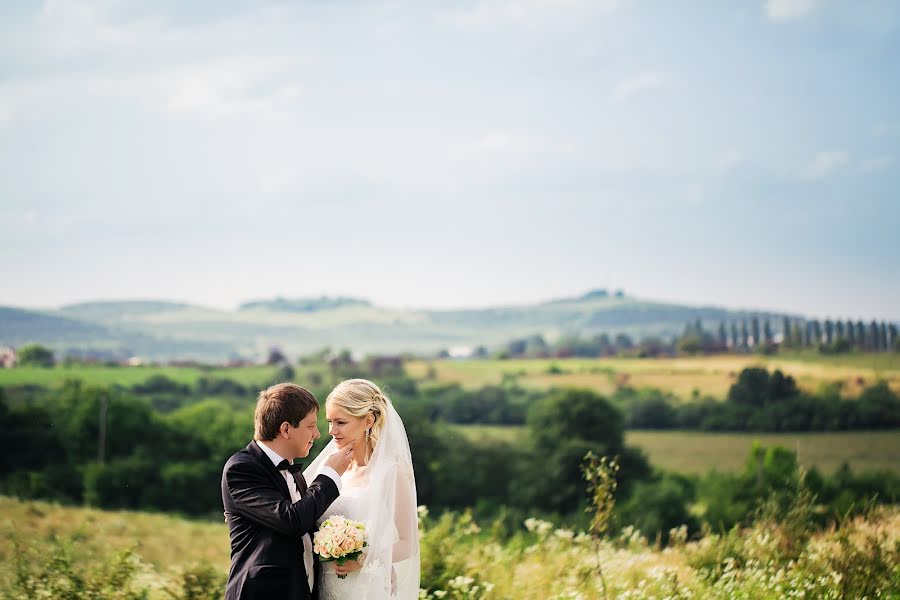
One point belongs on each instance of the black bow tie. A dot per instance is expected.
(286, 466)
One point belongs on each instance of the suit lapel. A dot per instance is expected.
(301, 482)
(254, 449)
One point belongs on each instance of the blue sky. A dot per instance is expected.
(452, 154)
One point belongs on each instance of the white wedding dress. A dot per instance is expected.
(384, 498)
(351, 504)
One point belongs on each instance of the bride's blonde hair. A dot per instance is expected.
(359, 397)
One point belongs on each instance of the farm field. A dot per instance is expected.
(694, 452)
(127, 376)
(684, 377)
(699, 452)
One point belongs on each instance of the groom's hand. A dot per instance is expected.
(340, 460)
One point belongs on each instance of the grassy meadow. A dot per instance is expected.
(684, 376)
(164, 546)
(461, 559)
(128, 376)
(699, 452)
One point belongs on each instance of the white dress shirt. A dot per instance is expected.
(295, 496)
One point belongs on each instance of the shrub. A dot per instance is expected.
(53, 574)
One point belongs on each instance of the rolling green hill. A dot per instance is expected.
(161, 330)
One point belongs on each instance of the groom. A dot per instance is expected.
(271, 512)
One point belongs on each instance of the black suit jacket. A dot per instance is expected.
(265, 527)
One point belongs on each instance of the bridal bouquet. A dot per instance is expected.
(339, 539)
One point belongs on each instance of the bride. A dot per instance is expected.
(378, 489)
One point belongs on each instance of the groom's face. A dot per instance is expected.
(303, 436)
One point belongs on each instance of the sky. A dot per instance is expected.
(452, 154)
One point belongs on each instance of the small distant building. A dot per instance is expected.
(7, 357)
(461, 352)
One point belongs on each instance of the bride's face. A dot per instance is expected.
(343, 426)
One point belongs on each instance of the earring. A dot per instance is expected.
(368, 433)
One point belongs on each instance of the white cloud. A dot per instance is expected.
(826, 163)
(492, 144)
(886, 130)
(72, 26)
(227, 87)
(235, 85)
(730, 160)
(876, 163)
(785, 10)
(528, 13)
(640, 83)
(508, 144)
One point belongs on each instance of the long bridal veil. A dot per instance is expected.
(391, 568)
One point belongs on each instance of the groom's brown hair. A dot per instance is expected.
(279, 403)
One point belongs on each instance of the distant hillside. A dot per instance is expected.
(109, 310)
(163, 330)
(19, 326)
(304, 304)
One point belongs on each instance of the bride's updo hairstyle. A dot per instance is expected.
(360, 397)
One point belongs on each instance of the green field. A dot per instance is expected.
(693, 452)
(128, 376)
(684, 377)
(699, 452)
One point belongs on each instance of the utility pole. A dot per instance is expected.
(101, 441)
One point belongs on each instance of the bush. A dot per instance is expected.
(563, 428)
(657, 506)
(160, 384)
(53, 574)
(34, 355)
(123, 483)
(650, 411)
(200, 582)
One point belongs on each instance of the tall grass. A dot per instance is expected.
(855, 559)
(57, 552)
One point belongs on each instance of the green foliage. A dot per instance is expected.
(120, 483)
(563, 428)
(647, 409)
(131, 425)
(54, 574)
(487, 405)
(763, 401)
(657, 506)
(868, 568)
(690, 344)
(577, 414)
(856, 557)
(160, 384)
(600, 474)
(34, 355)
(200, 582)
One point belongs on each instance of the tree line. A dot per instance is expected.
(160, 445)
(753, 334)
(763, 402)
